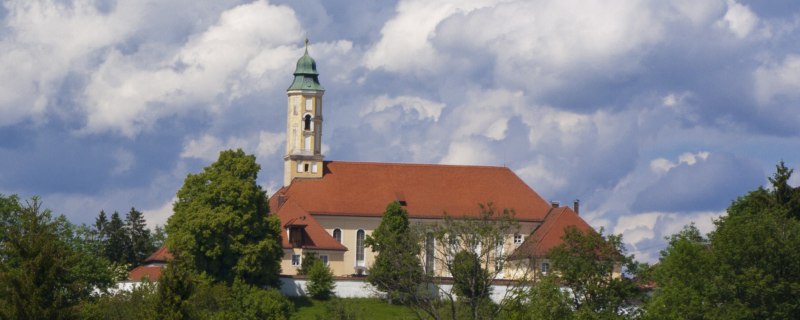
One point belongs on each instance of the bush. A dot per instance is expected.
(256, 303)
(138, 303)
(320, 281)
(309, 259)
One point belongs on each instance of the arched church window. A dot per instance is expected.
(360, 248)
(307, 122)
(337, 234)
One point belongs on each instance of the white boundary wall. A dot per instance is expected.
(360, 288)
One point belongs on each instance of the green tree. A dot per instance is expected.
(470, 248)
(175, 286)
(139, 238)
(309, 259)
(45, 269)
(684, 278)
(586, 263)
(100, 226)
(117, 243)
(544, 299)
(396, 270)
(221, 223)
(469, 279)
(749, 266)
(135, 304)
(320, 281)
(159, 237)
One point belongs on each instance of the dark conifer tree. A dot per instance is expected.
(117, 242)
(139, 238)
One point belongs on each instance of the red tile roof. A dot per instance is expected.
(150, 271)
(152, 267)
(365, 188)
(161, 255)
(316, 237)
(549, 234)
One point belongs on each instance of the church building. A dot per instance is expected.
(329, 207)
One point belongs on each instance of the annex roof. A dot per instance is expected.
(161, 255)
(549, 234)
(292, 215)
(151, 272)
(428, 191)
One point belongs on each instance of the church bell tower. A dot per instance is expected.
(303, 159)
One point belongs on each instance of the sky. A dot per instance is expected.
(655, 114)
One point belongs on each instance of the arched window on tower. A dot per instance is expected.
(307, 122)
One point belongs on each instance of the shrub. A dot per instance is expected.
(320, 281)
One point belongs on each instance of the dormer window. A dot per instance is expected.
(518, 239)
(296, 237)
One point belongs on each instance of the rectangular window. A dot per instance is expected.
(429, 253)
(545, 267)
(296, 260)
(307, 143)
(295, 104)
(299, 167)
(324, 258)
(314, 167)
(499, 256)
(518, 238)
(309, 103)
(296, 237)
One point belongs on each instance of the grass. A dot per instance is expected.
(348, 308)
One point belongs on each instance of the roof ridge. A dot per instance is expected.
(404, 164)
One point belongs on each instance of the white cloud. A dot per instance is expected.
(635, 228)
(486, 113)
(699, 12)
(425, 109)
(739, 19)
(541, 44)
(158, 216)
(207, 147)
(470, 152)
(778, 80)
(645, 233)
(45, 41)
(406, 39)
(662, 165)
(245, 50)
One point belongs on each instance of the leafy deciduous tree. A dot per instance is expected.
(749, 268)
(586, 263)
(221, 223)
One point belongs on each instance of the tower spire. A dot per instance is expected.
(304, 157)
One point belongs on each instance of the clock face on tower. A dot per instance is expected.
(308, 82)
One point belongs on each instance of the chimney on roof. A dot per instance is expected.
(555, 204)
(576, 206)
